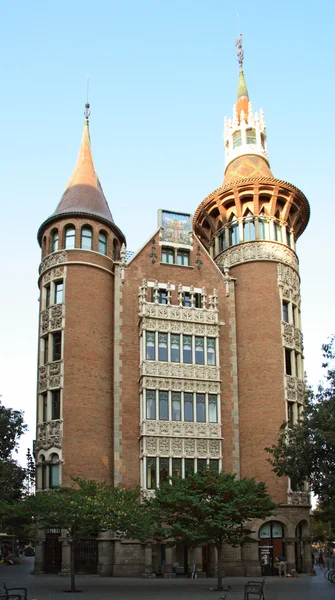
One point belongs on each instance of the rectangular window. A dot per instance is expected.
(47, 296)
(150, 345)
(187, 299)
(212, 408)
(278, 232)
(58, 299)
(251, 136)
(44, 476)
(211, 351)
(163, 346)
(175, 348)
(201, 412)
(57, 346)
(162, 297)
(187, 349)
(176, 467)
(214, 465)
(189, 466)
(54, 475)
(188, 407)
(168, 256)
(199, 351)
(163, 406)
(46, 350)
(44, 402)
(263, 229)
(151, 472)
(176, 406)
(163, 470)
(297, 365)
(237, 139)
(285, 312)
(150, 396)
(288, 364)
(201, 464)
(300, 411)
(55, 404)
(183, 258)
(290, 413)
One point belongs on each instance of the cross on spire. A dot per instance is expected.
(240, 53)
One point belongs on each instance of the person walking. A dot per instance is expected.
(321, 561)
(282, 566)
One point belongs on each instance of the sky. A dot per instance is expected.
(162, 76)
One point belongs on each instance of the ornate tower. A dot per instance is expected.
(80, 245)
(250, 226)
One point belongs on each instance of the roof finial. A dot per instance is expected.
(87, 105)
(240, 53)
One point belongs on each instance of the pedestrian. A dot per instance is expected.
(321, 561)
(282, 566)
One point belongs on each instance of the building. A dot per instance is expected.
(183, 355)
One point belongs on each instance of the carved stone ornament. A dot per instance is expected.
(292, 337)
(56, 314)
(298, 498)
(181, 429)
(49, 435)
(45, 320)
(295, 389)
(252, 251)
(50, 376)
(180, 385)
(181, 371)
(180, 327)
(179, 447)
(289, 281)
(52, 260)
(179, 313)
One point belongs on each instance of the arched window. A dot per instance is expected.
(70, 237)
(237, 139)
(102, 248)
(249, 233)
(43, 472)
(54, 471)
(234, 235)
(278, 232)
(263, 228)
(54, 240)
(251, 136)
(86, 238)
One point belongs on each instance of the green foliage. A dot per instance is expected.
(306, 451)
(12, 427)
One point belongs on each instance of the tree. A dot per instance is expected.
(87, 508)
(12, 475)
(209, 507)
(306, 450)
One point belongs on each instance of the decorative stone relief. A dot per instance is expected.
(179, 313)
(180, 385)
(298, 498)
(52, 260)
(58, 272)
(202, 448)
(180, 327)
(289, 281)
(56, 314)
(181, 371)
(49, 435)
(295, 389)
(180, 429)
(177, 446)
(258, 250)
(214, 448)
(189, 447)
(46, 278)
(164, 446)
(44, 320)
(151, 445)
(50, 376)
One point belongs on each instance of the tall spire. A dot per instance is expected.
(242, 92)
(83, 192)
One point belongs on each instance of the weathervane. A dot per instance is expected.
(240, 53)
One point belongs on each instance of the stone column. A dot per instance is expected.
(250, 560)
(105, 553)
(66, 556)
(307, 559)
(290, 555)
(198, 558)
(168, 574)
(148, 573)
(39, 557)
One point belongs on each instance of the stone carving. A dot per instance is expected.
(44, 320)
(56, 320)
(202, 448)
(180, 385)
(288, 335)
(52, 260)
(214, 448)
(261, 250)
(177, 447)
(58, 272)
(46, 278)
(49, 376)
(289, 281)
(151, 445)
(164, 446)
(179, 327)
(178, 313)
(298, 498)
(181, 371)
(189, 447)
(49, 435)
(180, 429)
(295, 388)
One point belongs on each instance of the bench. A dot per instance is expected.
(13, 593)
(254, 589)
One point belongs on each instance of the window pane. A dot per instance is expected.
(151, 404)
(199, 351)
(189, 466)
(234, 234)
(278, 232)
(44, 400)
(46, 350)
(162, 297)
(175, 348)
(290, 412)
(176, 406)
(47, 296)
(54, 475)
(211, 351)
(214, 465)
(187, 349)
(212, 408)
(151, 473)
(162, 346)
(237, 139)
(288, 365)
(168, 256)
(163, 406)
(249, 233)
(86, 238)
(263, 229)
(55, 406)
(183, 258)
(285, 312)
(187, 299)
(222, 241)
(44, 476)
(201, 413)
(251, 136)
(201, 464)
(54, 241)
(188, 407)
(70, 235)
(57, 346)
(102, 243)
(163, 470)
(150, 346)
(176, 467)
(58, 292)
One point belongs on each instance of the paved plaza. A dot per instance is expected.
(51, 587)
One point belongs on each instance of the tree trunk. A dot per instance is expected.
(73, 575)
(220, 566)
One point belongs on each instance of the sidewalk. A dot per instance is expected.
(50, 587)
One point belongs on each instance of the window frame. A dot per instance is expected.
(86, 233)
(69, 236)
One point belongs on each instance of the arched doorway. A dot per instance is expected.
(271, 545)
(301, 532)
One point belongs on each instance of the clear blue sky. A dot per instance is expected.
(162, 77)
